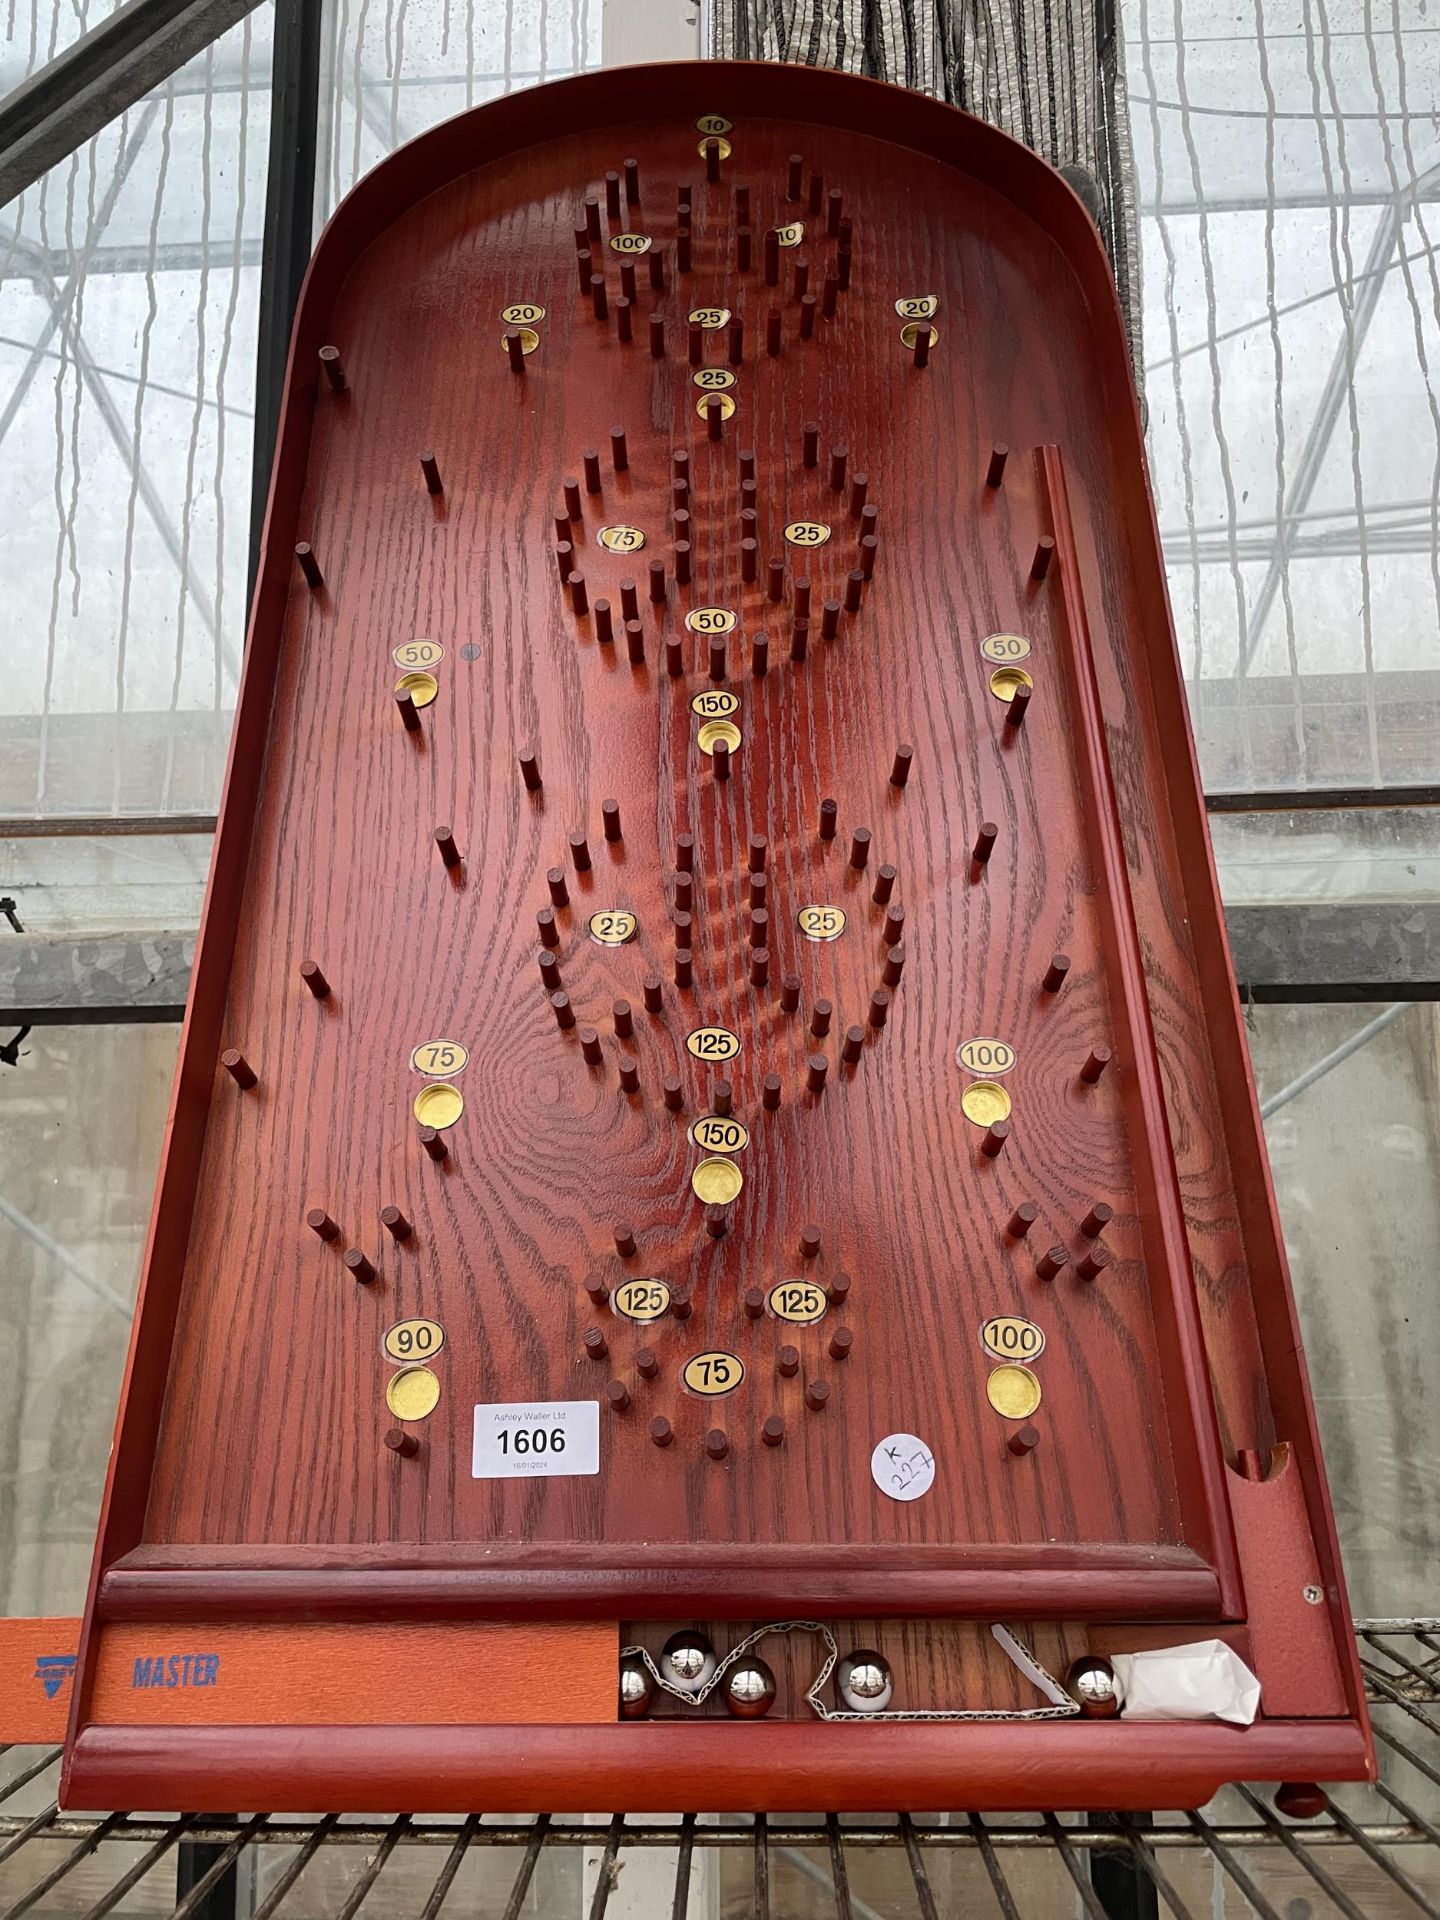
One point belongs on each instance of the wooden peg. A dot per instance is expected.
(900, 766)
(760, 967)
(854, 588)
(884, 885)
(653, 993)
(682, 563)
(632, 183)
(834, 206)
(995, 472)
(559, 892)
(604, 623)
(717, 1222)
(759, 926)
(817, 188)
(753, 1301)
(853, 1045)
(612, 196)
(661, 1432)
(1054, 1260)
(1096, 1062)
(790, 993)
(758, 891)
(996, 1134)
(617, 1396)
(674, 1092)
(430, 468)
(579, 852)
(838, 459)
(684, 970)
(775, 580)
(742, 205)
(879, 1006)
(1022, 1219)
(894, 966)
(657, 336)
(770, 1092)
(772, 1431)
(564, 1013)
(629, 1075)
(772, 327)
(794, 168)
(830, 620)
(449, 852)
(921, 353)
(635, 642)
(1017, 706)
(409, 713)
(656, 261)
(1024, 1440)
(657, 583)
(579, 595)
(842, 1340)
(646, 1363)
(1055, 974)
(818, 1066)
(787, 1360)
(530, 771)
(717, 1445)
(1044, 553)
(860, 848)
(712, 161)
(404, 1445)
(395, 1224)
(869, 520)
(984, 842)
(610, 814)
(320, 1222)
(810, 443)
(549, 932)
(564, 554)
(515, 345)
(720, 760)
(597, 1290)
(1092, 1264)
(760, 656)
(829, 813)
(590, 463)
(1096, 1220)
(309, 566)
(600, 305)
(629, 600)
(869, 547)
(685, 892)
(358, 1267)
(894, 925)
(802, 278)
(590, 1050)
(570, 487)
(737, 336)
(433, 1142)
(799, 641)
(584, 267)
(683, 254)
(723, 1098)
(624, 1235)
(595, 1344)
(331, 368)
(592, 220)
(837, 1289)
(844, 264)
(714, 417)
(315, 979)
(817, 1394)
(624, 1019)
(859, 492)
(682, 924)
(830, 300)
(549, 971)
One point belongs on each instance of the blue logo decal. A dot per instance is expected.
(52, 1670)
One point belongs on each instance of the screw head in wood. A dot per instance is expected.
(770, 1092)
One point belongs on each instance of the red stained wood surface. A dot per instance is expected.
(251, 1477)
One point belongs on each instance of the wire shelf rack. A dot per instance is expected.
(1374, 1852)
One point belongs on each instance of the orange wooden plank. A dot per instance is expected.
(37, 1666)
(447, 1674)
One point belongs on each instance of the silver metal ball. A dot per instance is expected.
(637, 1689)
(864, 1681)
(1094, 1683)
(687, 1661)
(750, 1689)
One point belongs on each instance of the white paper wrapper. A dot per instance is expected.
(1203, 1681)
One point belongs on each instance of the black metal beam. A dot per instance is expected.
(94, 80)
(289, 221)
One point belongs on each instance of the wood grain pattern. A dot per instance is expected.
(250, 1481)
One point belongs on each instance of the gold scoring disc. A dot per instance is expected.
(713, 123)
(821, 923)
(439, 1105)
(985, 1102)
(621, 539)
(1006, 682)
(714, 731)
(709, 317)
(807, 533)
(715, 703)
(529, 340)
(714, 379)
(1001, 647)
(792, 235)
(418, 654)
(717, 1182)
(614, 927)
(909, 332)
(1013, 1392)
(918, 306)
(413, 1393)
(710, 620)
(629, 243)
(524, 313)
(726, 403)
(724, 145)
(421, 687)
